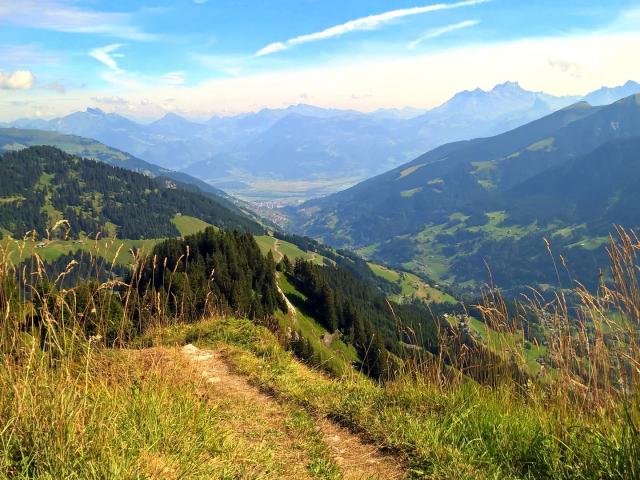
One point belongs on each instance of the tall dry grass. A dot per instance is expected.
(582, 413)
(575, 416)
(592, 337)
(71, 404)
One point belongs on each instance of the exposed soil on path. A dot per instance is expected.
(356, 459)
(276, 249)
(290, 307)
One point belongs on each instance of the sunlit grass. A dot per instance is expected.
(73, 406)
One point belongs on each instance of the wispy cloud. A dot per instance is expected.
(119, 77)
(113, 100)
(19, 55)
(275, 47)
(18, 80)
(437, 32)
(59, 15)
(174, 78)
(372, 22)
(107, 56)
(114, 75)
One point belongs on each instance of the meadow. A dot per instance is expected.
(76, 406)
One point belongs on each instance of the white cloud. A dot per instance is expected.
(559, 65)
(174, 78)
(437, 32)
(18, 80)
(575, 69)
(426, 80)
(271, 48)
(106, 56)
(121, 78)
(371, 22)
(58, 15)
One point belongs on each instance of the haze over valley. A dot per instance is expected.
(302, 151)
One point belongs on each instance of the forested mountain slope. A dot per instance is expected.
(41, 185)
(424, 213)
(12, 139)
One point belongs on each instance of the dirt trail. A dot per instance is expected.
(276, 249)
(292, 309)
(356, 459)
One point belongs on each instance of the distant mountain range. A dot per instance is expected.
(304, 150)
(567, 177)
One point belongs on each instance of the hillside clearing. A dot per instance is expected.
(188, 225)
(411, 286)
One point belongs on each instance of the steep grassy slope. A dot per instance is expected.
(573, 207)
(327, 351)
(402, 286)
(460, 431)
(411, 286)
(188, 225)
(595, 189)
(279, 248)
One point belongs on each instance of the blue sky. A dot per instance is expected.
(221, 56)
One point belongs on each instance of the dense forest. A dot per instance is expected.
(73, 268)
(213, 271)
(40, 185)
(383, 331)
(375, 327)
